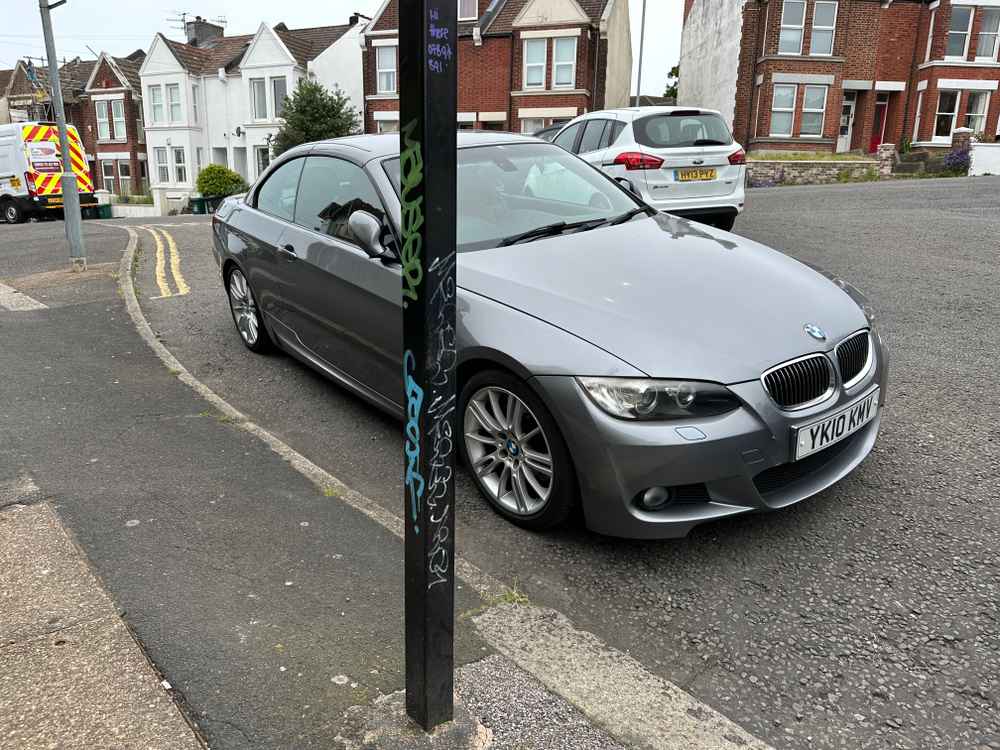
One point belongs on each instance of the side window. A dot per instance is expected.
(567, 138)
(593, 136)
(277, 195)
(331, 190)
(612, 133)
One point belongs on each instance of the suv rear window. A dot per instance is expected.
(681, 129)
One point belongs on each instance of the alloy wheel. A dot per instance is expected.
(243, 307)
(508, 450)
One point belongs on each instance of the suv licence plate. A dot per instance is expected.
(825, 432)
(695, 175)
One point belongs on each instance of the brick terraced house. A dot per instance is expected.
(845, 75)
(522, 64)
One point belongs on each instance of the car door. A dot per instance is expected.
(597, 137)
(569, 137)
(348, 311)
(262, 225)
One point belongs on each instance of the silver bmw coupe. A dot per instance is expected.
(653, 371)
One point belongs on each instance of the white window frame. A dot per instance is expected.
(254, 109)
(791, 110)
(832, 29)
(475, 10)
(171, 103)
(277, 101)
(967, 33)
(194, 102)
(199, 160)
(179, 167)
(103, 122)
(986, 13)
(105, 179)
(930, 35)
(387, 126)
(801, 27)
(525, 130)
(140, 123)
(918, 117)
(379, 70)
(119, 128)
(984, 97)
(156, 108)
(557, 65)
(544, 65)
(954, 115)
(162, 155)
(124, 183)
(813, 110)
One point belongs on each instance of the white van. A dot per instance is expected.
(31, 170)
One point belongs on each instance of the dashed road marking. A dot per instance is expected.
(15, 301)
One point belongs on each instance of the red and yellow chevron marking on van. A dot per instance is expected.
(48, 183)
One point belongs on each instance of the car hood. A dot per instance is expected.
(672, 298)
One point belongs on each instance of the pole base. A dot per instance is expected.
(384, 725)
(79, 265)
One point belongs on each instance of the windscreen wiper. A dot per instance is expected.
(627, 216)
(549, 230)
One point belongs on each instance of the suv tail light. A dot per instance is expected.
(740, 157)
(633, 160)
(29, 182)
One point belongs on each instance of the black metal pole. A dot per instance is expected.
(428, 61)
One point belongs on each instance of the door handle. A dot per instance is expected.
(288, 251)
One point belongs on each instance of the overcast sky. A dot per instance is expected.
(121, 26)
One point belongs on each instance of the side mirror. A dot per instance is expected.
(368, 231)
(627, 184)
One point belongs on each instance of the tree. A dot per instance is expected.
(312, 113)
(673, 77)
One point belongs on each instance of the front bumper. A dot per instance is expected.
(743, 464)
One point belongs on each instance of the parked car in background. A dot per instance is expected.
(657, 372)
(677, 159)
(547, 134)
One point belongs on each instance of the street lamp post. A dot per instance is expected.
(642, 49)
(71, 198)
(428, 59)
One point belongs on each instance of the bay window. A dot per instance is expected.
(279, 88)
(930, 35)
(258, 98)
(824, 27)
(989, 34)
(385, 66)
(535, 53)
(975, 112)
(947, 112)
(103, 123)
(180, 165)
(793, 16)
(958, 32)
(118, 118)
(564, 63)
(108, 176)
(194, 102)
(174, 111)
(162, 165)
(783, 109)
(813, 111)
(156, 104)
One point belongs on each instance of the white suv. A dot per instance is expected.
(681, 160)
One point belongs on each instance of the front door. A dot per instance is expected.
(847, 121)
(878, 128)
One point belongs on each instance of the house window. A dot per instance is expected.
(118, 119)
(262, 155)
(467, 10)
(947, 112)
(143, 177)
(535, 52)
(258, 98)
(162, 165)
(930, 35)
(783, 109)
(156, 104)
(824, 25)
(975, 114)
(813, 111)
(180, 166)
(793, 16)
(989, 34)
(385, 66)
(125, 177)
(199, 159)
(532, 125)
(108, 176)
(140, 124)
(387, 126)
(103, 125)
(958, 32)
(279, 88)
(194, 102)
(564, 63)
(174, 111)
(916, 121)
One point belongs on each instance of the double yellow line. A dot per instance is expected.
(161, 264)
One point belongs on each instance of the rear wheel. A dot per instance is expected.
(515, 451)
(246, 314)
(12, 213)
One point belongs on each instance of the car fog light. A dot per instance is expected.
(656, 498)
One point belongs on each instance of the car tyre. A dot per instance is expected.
(246, 312)
(12, 213)
(515, 451)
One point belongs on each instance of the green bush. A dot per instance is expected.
(216, 180)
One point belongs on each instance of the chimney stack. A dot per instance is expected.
(199, 31)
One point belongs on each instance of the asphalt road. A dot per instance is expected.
(866, 617)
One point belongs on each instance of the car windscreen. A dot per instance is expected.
(681, 129)
(507, 190)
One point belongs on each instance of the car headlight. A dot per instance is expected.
(644, 399)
